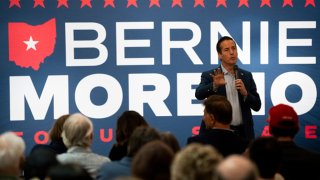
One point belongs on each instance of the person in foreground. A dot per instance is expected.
(297, 162)
(140, 136)
(236, 84)
(68, 172)
(237, 167)
(195, 161)
(12, 149)
(153, 161)
(38, 163)
(77, 135)
(217, 118)
(265, 152)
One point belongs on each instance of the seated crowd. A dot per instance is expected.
(143, 153)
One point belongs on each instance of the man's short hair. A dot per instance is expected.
(224, 38)
(219, 107)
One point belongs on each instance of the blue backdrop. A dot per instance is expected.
(102, 57)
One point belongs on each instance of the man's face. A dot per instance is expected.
(229, 53)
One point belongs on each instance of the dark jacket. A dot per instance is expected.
(225, 141)
(298, 163)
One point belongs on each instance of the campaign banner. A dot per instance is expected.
(103, 57)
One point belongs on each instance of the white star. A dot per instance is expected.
(31, 44)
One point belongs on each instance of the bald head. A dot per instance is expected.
(237, 167)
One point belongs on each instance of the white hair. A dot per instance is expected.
(12, 148)
(77, 131)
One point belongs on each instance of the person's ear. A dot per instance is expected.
(213, 120)
(91, 136)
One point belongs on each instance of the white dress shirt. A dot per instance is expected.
(233, 97)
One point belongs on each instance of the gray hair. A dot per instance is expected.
(195, 161)
(12, 148)
(77, 131)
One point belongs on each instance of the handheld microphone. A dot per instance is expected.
(235, 69)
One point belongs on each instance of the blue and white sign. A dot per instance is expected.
(102, 57)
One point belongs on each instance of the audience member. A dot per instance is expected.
(237, 167)
(126, 124)
(38, 162)
(297, 162)
(56, 145)
(68, 172)
(140, 136)
(153, 161)
(170, 140)
(195, 161)
(265, 152)
(217, 118)
(77, 136)
(12, 149)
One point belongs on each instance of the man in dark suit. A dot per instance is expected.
(236, 84)
(217, 118)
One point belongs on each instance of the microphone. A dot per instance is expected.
(235, 69)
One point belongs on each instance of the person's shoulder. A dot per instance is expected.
(221, 132)
(290, 147)
(119, 147)
(124, 163)
(58, 146)
(108, 165)
(207, 72)
(310, 153)
(98, 157)
(65, 157)
(113, 169)
(201, 138)
(193, 139)
(42, 147)
(105, 170)
(244, 71)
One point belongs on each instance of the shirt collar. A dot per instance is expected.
(224, 70)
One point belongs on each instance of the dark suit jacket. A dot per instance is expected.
(252, 101)
(225, 141)
(298, 163)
